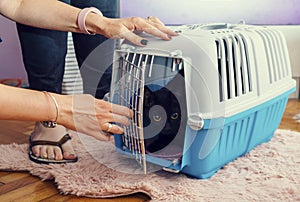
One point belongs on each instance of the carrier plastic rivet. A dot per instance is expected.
(176, 53)
(196, 121)
(127, 47)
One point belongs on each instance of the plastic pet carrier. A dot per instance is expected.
(202, 99)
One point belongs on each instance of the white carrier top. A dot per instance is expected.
(227, 68)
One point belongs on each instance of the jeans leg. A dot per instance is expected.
(85, 44)
(44, 54)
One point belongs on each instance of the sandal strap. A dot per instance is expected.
(63, 140)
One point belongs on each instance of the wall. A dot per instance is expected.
(206, 11)
(11, 64)
(269, 12)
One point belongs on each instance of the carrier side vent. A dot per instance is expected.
(233, 67)
(273, 47)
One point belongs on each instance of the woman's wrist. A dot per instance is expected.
(86, 20)
(65, 108)
(53, 112)
(95, 23)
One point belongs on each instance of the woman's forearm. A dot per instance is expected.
(48, 14)
(27, 105)
(53, 14)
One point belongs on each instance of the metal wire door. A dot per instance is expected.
(131, 94)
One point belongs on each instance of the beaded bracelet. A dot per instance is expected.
(82, 17)
(51, 124)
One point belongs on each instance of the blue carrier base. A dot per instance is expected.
(210, 150)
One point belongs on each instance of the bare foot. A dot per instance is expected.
(49, 151)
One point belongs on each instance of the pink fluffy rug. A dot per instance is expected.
(270, 172)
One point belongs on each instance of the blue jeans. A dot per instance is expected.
(44, 50)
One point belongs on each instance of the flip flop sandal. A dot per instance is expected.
(36, 159)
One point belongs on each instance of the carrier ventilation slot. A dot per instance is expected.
(233, 67)
(276, 59)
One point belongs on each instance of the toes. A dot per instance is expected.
(69, 152)
(50, 153)
(36, 151)
(57, 153)
(47, 152)
(54, 152)
(43, 153)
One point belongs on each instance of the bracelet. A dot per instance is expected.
(82, 16)
(51, 124)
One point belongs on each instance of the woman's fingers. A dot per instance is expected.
(115, 114)
(156, 32)
(124, 120)
(139, 41)
(112, 128)
(150, 25)
(121, 110)
(133, 38)
(111, 125)
(160, 25)
(147, 26)
(99, 118)
(119, 115)
(164, 29)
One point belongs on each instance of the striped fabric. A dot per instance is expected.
(72, 81)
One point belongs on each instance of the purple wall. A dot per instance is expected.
(11, 65)
(170, 12)
(207, 11)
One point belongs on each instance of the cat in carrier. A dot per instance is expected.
(164, 118)
(203, 99)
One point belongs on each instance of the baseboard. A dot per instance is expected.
(296, 94)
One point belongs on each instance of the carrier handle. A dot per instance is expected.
(216, 26)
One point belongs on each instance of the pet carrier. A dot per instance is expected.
(202, 99)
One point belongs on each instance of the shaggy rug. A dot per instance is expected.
(270, 172)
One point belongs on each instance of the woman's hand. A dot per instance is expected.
(124, 28)
(63, 17)
(94, 117)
